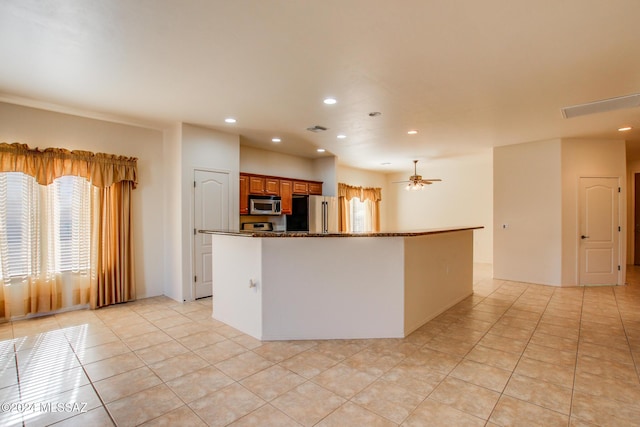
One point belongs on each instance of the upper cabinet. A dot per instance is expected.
(315, 188)
(256, 184)
(244, 194)
(263, 185)
(286, 193)
(274, 186)
(300, 187)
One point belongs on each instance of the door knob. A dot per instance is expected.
(584, 237)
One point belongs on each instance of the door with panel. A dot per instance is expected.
(211, 212)
(599, 227)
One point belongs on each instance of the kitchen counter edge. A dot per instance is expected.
(302, 234)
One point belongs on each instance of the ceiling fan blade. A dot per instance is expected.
(400, 182)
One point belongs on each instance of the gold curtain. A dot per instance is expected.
(115, 281)
(365, 194)
(113, 177)
(102, 170)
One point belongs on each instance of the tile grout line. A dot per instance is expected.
(463, 315)
(575, 368)
(467, 353)
(626, 335)
(91, 381)
(104, 405)
(523, 351)
(147, 365)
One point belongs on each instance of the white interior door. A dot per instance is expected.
(599, 232)
(211, 212)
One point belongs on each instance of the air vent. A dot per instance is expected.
(317, 128)
(619, 103)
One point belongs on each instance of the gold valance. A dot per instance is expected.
(362, 193)
(102, 170)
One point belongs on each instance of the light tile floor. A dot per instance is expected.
(512, 354)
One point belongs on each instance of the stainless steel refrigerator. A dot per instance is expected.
(323, 214)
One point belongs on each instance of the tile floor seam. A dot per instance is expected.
(461, 360)
(522, 353)
(102, 402)
(526, 299)
(575, 368)
(626, 335)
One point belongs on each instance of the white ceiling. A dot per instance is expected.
(466, 74)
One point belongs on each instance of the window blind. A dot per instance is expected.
(43, 227)
(358, 212)
(72, 211)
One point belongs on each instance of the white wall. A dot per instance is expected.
(205, 149)
(172, 212)
(463, 198)
(588, 158)
(42, 129)
(633, 167)
(536, 194)
(365, 178)
(528, 200)
(262, 162)
(325, 170)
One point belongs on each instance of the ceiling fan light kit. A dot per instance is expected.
(415, 186)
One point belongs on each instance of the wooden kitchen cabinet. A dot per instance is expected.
(300, 187)
(244, 194)
(256, 184)
(275, 186)
(272, 186)
(264, 185)
(315, 188)
(286, 193)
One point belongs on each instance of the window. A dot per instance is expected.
(361, 219)
(19, 221)
(359, 208)
(358, 212)
(43, 229)
(72, 210)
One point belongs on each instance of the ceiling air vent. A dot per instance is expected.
(317, 128)
(619, 103)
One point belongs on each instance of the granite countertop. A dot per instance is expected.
(282, 234)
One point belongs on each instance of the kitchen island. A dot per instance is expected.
(298, 286)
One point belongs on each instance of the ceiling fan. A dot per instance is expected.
(415, 181)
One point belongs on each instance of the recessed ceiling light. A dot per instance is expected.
(341, 136)
(329, 101)
(385, 163)
(624, 129)
(230, 120)
(412, 132)
(275, 140)
(321, 150)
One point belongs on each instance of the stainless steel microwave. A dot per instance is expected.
(265, 205)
